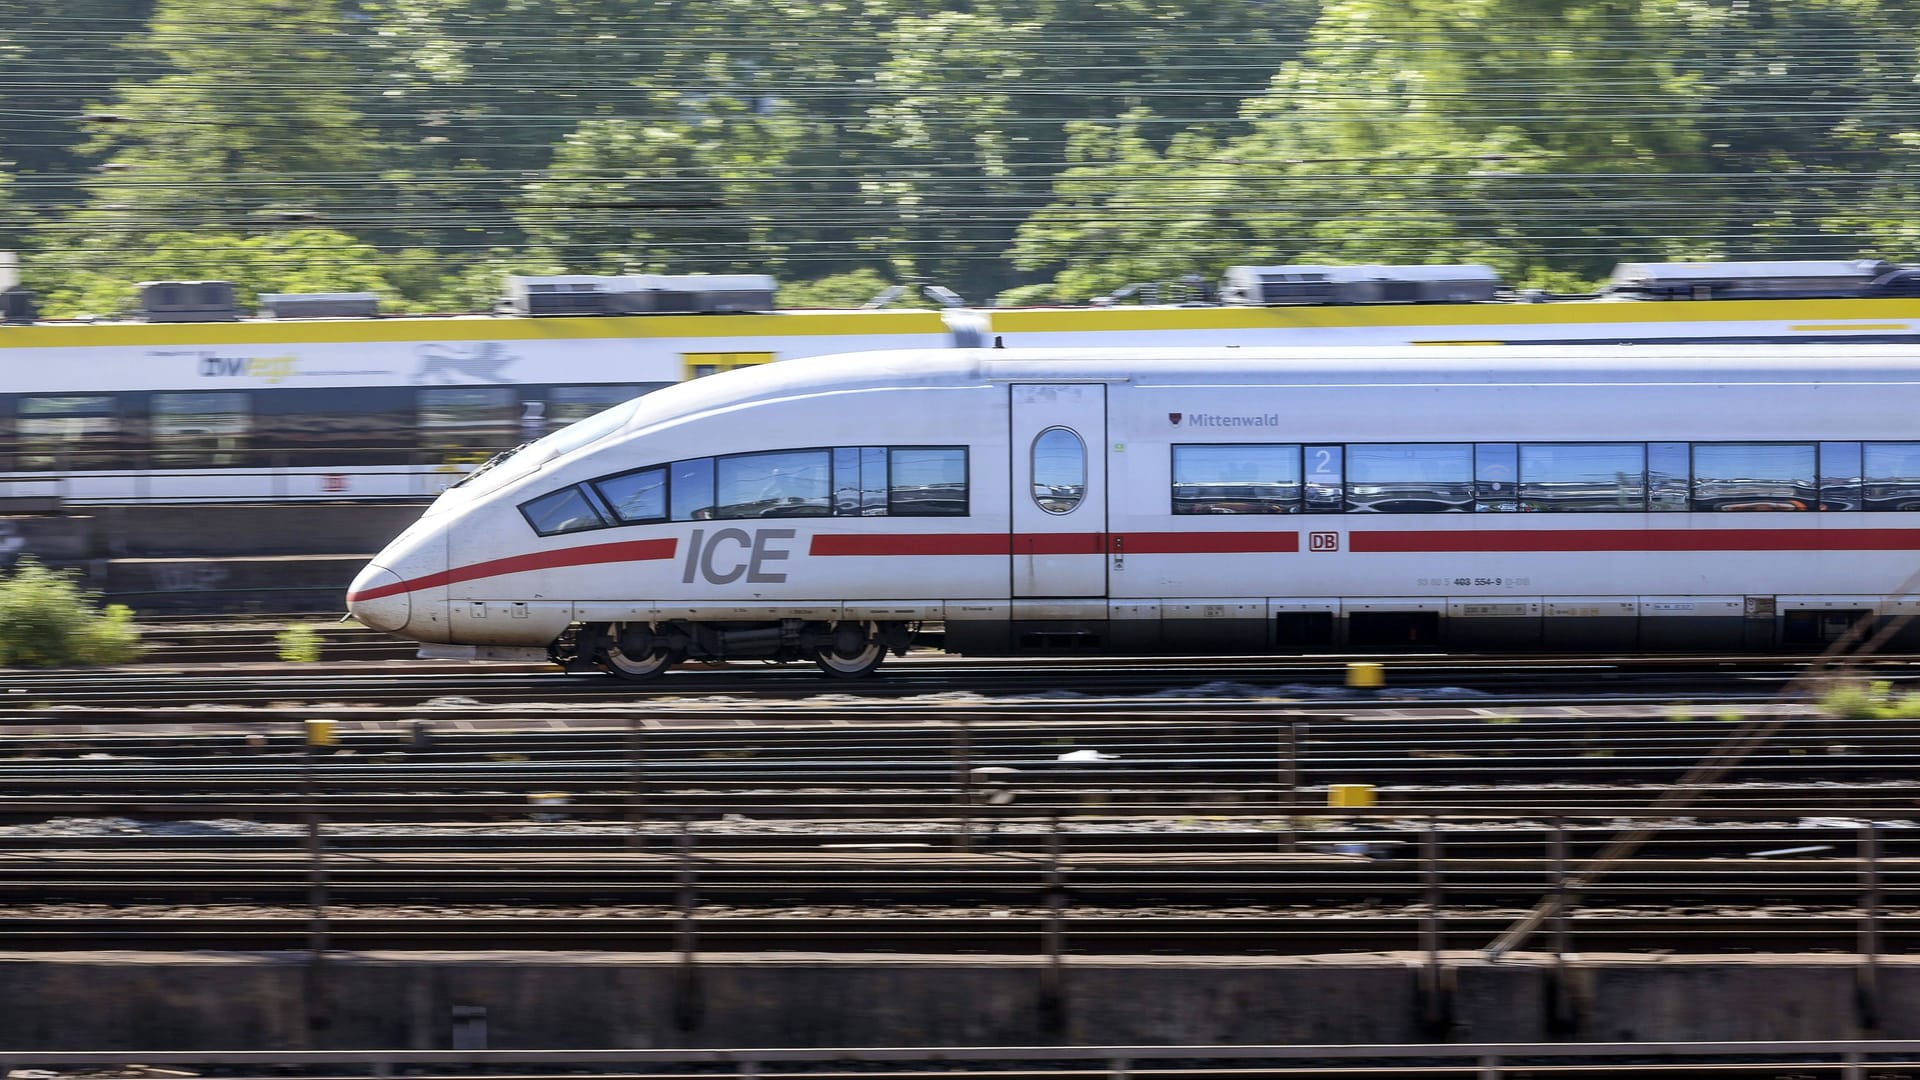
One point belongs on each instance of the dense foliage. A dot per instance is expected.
(1063, 148)
(47, 620)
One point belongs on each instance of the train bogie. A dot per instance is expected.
(1199, 501)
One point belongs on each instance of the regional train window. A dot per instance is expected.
(1754, 476)
(78, 431)
(860, 481)
(1669, 477)
(1583, 477)
(1059, 470)
(1410, 478)
(691, 489)
(636, 496)
(200, 429)
(572, 404)
(1892, 472)
(1839, 476)
(784, 483)
(564, 511)
(1496, 476)
(1326, 479)
(1236, 478)
(345, 425)
(927, 481)
(470, 418)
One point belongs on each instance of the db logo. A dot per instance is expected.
(1323, 541)
(332, 482)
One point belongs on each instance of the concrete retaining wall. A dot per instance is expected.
(107, 1001)
(211, 559)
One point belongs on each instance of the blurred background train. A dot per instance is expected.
(316, 397)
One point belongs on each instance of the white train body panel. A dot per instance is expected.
(1100, 559)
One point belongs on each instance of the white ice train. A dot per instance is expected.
(1202, 500)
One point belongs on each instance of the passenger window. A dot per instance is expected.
(564, 511)
(470, 419)
(1840, 475)
(860, 481)
(1754, 476)
(1059, 470)
(785, 483)
(1236, 478)
(1669, 477)
(1410, 478)
(1326, 479)
(692, 489)
(1496, 476)
(1583, 477)
(1892, 472)
(636, 496)
(77, 431)
(201, 429)
(927, 482)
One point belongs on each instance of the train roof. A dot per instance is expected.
(1229, 365)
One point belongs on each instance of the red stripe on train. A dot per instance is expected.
(1625, 540)
(911, 544)
(1156, 543)
(590, 554)
(1205, 543)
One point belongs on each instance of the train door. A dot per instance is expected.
(1059, 436)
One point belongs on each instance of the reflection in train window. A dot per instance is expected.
(1410, 478)
(72, 431)
(1839, 476)
(1236, 478)
(1754, 476)
(1496, 478)
(201, 430)
(572, 404)
(1584, 477)
(362, 425)
(563, 511)
(1892, 473)
(1059, 470)
(859, 481)
(785, 483)
(691, 489)
(636, 496)
(1326, 479)
(927, 482)
(1669, 477)
(472, 419)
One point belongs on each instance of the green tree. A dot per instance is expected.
(251, 123)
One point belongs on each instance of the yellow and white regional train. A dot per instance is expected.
(315, 409)
(1196, 499)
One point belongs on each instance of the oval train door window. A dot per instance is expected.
(1059, 470)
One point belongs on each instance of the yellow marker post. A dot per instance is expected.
(1341, 796)
(319, 733)
(1365, 675)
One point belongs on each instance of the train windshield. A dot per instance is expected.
(523, 459)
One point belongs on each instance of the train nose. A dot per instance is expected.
(378, 598)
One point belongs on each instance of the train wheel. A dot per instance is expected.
(639, 665)
(853, 655)
(650, 666)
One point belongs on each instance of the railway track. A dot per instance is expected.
(1060, 758)
(1012, 935)
(1193, 821)
(408, 682)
